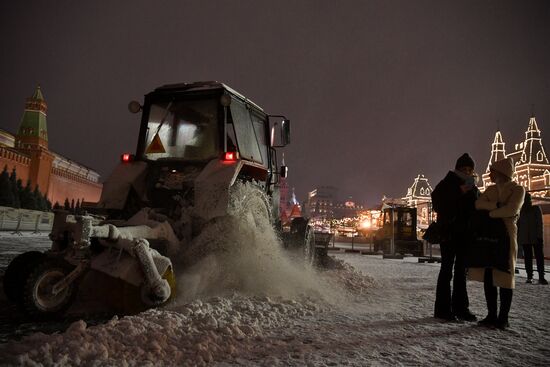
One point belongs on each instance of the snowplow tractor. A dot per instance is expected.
(399, 226)
(202, 147)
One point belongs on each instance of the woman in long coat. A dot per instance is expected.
(502, 200)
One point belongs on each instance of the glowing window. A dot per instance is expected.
(186, 130)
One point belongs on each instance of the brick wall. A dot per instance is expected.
(12, 159)
(64, 185)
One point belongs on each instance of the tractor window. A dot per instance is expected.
(407, 219)
(246, 137)
(182, 130)
(259, 128)
(387, 217)
(231, 138)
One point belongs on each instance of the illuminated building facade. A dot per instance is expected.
(347, 209)
(320, 202)
(283, 196)
(57, 177)
(419, 196)
(530, 159)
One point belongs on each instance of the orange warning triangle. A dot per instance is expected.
(155, 146)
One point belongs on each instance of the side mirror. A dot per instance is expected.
(285, 132)
(134, 107)
(284, 171)
(280, 131)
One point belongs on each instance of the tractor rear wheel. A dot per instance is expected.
(249, 202)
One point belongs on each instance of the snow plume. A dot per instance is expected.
(242, 253)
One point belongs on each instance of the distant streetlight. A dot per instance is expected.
(365, 224)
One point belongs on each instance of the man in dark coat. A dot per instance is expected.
(453, 200)
(530, 238)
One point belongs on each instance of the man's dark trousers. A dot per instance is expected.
(457, 303)
(528, 258)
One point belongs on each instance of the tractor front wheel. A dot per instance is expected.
(39, 301)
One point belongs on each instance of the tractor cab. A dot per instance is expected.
(193, 139)
(397, 233)
(186, 126)
(403, 222)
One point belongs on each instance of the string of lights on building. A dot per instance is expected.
(532, 172)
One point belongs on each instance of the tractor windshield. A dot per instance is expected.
(182, 129)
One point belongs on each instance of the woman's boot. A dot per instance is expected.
(491, 299)
(505, 304)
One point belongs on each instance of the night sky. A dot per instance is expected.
(377, 91)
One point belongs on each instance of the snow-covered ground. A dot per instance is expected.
(382, 317)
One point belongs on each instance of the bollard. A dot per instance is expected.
(17, 231)
(36, 231)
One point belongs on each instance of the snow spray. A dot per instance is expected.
(242, 253)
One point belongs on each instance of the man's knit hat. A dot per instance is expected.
(504, 166)
(464, 161)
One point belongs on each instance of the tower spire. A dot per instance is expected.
(498, 150)
(533, 131)
(33, 131)
(533, 150)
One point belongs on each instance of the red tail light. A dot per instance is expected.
(126, 157)
(230, 157)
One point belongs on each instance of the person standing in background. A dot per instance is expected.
(530, 237)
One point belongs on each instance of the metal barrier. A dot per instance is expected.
(19, 220)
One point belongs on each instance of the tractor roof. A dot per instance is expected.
(208, 85)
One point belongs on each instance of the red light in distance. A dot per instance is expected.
(126, 157)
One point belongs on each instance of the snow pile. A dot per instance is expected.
(187, 335)
(341, 274)
(227, 328)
